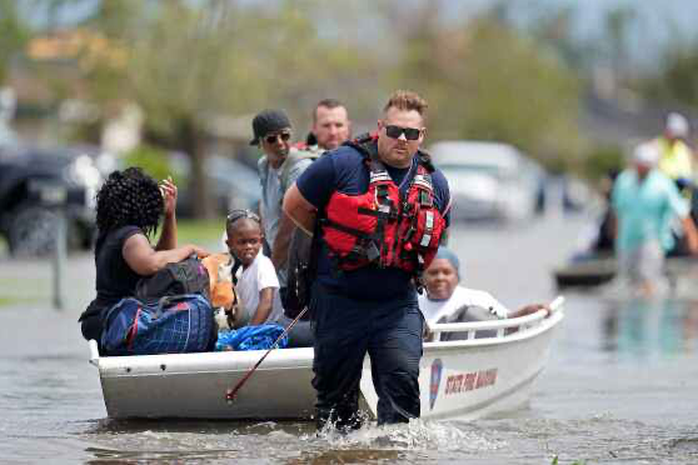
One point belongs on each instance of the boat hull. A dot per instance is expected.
(595, 271)
(475, 378)
(465, 379)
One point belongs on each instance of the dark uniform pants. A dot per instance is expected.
(390, 331)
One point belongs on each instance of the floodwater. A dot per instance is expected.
(621, 385)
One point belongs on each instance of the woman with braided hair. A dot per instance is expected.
(130, 205)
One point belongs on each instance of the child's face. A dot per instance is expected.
(245, 240)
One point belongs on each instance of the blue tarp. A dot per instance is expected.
(260, 337)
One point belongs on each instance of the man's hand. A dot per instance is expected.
(530, 309)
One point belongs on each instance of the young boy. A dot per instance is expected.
(257, 286)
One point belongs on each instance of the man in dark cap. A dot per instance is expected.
(279, 167)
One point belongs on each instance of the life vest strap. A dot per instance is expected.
(346, 229)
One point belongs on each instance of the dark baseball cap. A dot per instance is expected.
(268, 121)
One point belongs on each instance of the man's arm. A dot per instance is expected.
(613, 224)
(299, 210)
(689, 228)
(528, 310)
(279, 251)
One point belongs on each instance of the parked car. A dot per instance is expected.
(233, 184)
(490, 180)
(36, 184)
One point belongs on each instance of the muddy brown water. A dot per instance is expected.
(621, 385)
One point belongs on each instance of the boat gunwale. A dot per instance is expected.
(290, 359)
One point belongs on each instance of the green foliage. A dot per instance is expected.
(13, 36)
(186, 63)
(153, 161)
(602, 160)
(206, 233)
(488, 82)
(677, 80)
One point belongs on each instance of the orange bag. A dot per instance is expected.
(221, 284)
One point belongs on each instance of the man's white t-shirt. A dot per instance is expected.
(256, 277)
(434, 310)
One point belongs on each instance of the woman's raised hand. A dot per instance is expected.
(169, 195)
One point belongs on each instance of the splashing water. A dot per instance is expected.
(417, 435)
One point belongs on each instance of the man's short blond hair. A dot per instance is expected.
(407, 100)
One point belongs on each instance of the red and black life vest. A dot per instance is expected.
(383, 227)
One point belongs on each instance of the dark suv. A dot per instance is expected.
(36, 184)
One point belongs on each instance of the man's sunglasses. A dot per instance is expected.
(241, 213)
(396, 131)
(271, 138)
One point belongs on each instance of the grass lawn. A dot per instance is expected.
(189, 231)
(4, 301)
(200, 232)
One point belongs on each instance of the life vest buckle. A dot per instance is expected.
(372, 252)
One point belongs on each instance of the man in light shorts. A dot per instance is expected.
(646, 203)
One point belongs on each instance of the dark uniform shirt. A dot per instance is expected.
(344, 170)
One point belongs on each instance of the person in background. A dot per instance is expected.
(447, 301)
(364, 297)
(130, 206)
(331, 127)
(256, 281)
(278, 168)
(645, 203)
(675, 156)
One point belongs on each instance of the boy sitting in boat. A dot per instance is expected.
(255, 279)
(446, 301)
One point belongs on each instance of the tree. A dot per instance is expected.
(487, 81)
(187, 61)
(13, 37)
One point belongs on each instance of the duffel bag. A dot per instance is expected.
(176, 324)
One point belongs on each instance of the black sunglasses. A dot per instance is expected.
(396, 131)
(271, 138)
(242, 213)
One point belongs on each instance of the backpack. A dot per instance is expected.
(175, 324)
(301, 267)
(189, 276)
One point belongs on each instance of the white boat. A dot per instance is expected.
(466, 378)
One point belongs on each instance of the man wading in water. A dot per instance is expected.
(382, 209)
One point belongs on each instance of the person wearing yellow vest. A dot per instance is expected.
(676, 157)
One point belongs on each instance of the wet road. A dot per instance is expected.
(621, 385)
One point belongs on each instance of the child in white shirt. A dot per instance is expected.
(257, 284)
